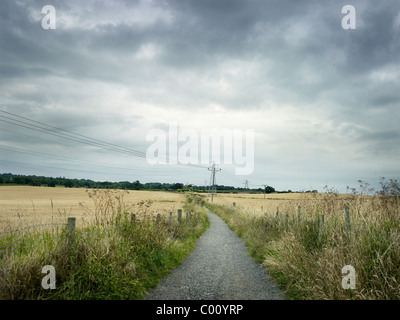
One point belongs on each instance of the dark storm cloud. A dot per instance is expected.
(378, 42)
(204, 34)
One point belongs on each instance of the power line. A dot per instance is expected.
(69, 137)
(65, 134)
(42, 127)
(52, 167)
(69, 160)
(230, 177)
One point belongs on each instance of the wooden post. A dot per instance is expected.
(170, 217)
(277, 212)
(133, 220)
(187, 215)
(179, 215)
(234, 204)
(71, 230)
(348, 224)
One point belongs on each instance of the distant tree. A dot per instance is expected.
(19, 180)
(137, 185)
(125, 185)
(156, 185)
(29, 180)
(51, 183)
(177, 186)
(68, 183)
(269, 189)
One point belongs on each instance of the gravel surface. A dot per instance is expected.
(218, 269)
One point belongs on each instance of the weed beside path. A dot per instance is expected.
(117, 257)
(306, 244)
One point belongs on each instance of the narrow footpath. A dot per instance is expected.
(219, 268)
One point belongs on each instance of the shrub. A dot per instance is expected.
(115, 257)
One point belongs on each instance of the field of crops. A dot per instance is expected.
(24, 205)
(118, 248)
(256, 203)
(305, 240)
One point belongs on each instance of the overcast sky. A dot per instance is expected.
(323, 101)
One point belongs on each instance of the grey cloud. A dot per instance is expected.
(391, 136)
(293, 54)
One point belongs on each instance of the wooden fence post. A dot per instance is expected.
(277, 212)
(71, 230)
(170, 217)
(179, 215)
(234, 204)
(133, 220)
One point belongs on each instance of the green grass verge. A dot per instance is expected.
(306, 256)
(121, 263)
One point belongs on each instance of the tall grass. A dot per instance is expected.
(113, 257)
(306, 255)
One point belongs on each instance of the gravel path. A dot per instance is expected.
(218, 269)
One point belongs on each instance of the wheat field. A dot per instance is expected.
(21, 206)
(255, 203)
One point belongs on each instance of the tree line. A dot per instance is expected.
(33, 180)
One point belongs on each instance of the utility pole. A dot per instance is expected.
(265, 187)
(246, 184)
(213, 170)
